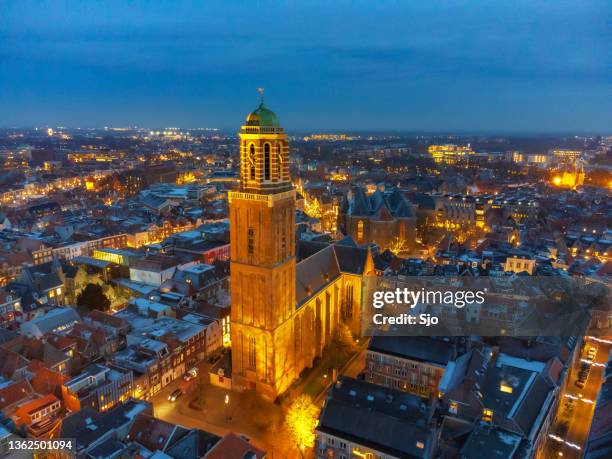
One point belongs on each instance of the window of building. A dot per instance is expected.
(453, 407)
(267, 161)
(279, 161)
(252, 162)
(251, 241)
(487, 415)
(505, 388)
(360, 231)
(348, 306)
(252, 353)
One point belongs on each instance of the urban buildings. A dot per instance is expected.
(133, 305)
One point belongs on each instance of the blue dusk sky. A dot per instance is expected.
(413, 66)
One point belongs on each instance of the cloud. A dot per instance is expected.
(402, 54)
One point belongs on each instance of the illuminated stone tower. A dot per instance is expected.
(262, 222)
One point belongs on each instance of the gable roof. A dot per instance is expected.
(380, 206)
(155, 434)
(313, 273)
(89, 426)
(14, 393)
(232, 446)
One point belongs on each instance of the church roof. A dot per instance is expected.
(351, 259)
(361, 205)
(403, 210)
(347, 241)
(315, 272)
(379, 206)
(320, 263)
(262, 116)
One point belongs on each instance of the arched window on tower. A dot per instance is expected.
(267, 161)
(279, 161)
(252, 162)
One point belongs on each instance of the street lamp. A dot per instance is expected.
(228, 418)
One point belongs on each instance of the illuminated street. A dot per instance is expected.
(577, 405)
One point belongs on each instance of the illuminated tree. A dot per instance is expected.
(301, 421)
(398, 246)
(313, 208)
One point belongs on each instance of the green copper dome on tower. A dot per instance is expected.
(262, 117)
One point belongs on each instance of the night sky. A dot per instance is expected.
(454, 66)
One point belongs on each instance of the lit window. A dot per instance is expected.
(252, 162)
(487, 415)
(359, 230)
(505, 388)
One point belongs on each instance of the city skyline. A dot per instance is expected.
(196, 296)
(305, 230)
(460, 67)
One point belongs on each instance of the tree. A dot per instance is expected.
(313, 208)
(398, 246)
(301, 421)
(93, 297)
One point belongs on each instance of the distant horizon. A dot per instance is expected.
(327, 130)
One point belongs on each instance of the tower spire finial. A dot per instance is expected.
(261, 95)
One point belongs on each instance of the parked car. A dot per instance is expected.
(191, 374)
(174, 395)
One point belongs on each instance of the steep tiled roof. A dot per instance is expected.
(313, 273)
(155, 434)
(11, 362)
(14, 393)
(232, 446)
(380, 206)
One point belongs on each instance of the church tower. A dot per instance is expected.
(262, 244)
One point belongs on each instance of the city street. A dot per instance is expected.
(245, 413)
(577, 405)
